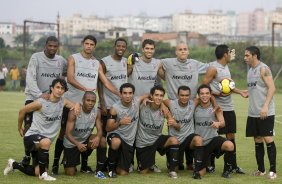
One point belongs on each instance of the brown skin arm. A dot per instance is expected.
(70, 75)
(111, 123)
(161, 72)
(209, 76)
(95, 141)
(220, 123)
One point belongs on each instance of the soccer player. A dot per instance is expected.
(83, 71)
(149, 138)
(207, 122)
(43, 68)
(218, 71)
(45, 125)
(121, 127)
(115, 69)
(260, 122)
(79, 138)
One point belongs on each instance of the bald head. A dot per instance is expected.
(182, 51)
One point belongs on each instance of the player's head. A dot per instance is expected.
(89, 43)
(148, 48)
(120, 47)
(51, 46)
(127, 92)
(251, 53)
(223, 51)
(88, 101)
(58, 86)
(157, 94)
(184, 93)
(204, 92)
(182, 51)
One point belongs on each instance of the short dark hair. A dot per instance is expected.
(254, 51)
(51, 39)
(88, 93)
(202, 86)
(185, 88)
(127, 85)
(61, 81)
(153, 89)
(220, 50)
(148, 41)
(121, 40)
(90, 37)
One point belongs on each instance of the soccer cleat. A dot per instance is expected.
(172, 174)
(86, 169)
(100, 175)
(9, 166)
(25, 161)
(46, 177)
(196, 175)
(55, 170)
(210, 169)
(155, 169)
(226, 174)
(112, 174)
(238, 170)
(272, 175)
(131, 168)
(259, 173)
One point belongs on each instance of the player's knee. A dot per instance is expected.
(198, 141)
(70, 171)
(173, 141)
(227, 146)
(115, 143)
(45, 143)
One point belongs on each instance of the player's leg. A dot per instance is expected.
(114, 142)
(71, 160)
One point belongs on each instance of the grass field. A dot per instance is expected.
(12, 147)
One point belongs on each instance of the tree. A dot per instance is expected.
(2, 43)
(19, 40)
(39, 44)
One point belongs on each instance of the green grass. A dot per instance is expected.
(12, 147)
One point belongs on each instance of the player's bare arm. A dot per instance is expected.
(75, 107)
(112, 123)
(220, 119)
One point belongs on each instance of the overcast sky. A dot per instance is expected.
(46, 10)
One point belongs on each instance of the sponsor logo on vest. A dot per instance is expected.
(53, 118)
(83, 129)
(153, 126)
(51, 75)
(205, 123)
(117, 77)
(182, 121)
(183, 77)
(88, 75)
(147, 78)
(252, 84)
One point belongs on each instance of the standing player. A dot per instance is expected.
(45, 125)
(79, 138)
(260, 123)
(207, 123)
(115, 69)
(83, 71)
(218, 71)
(149, 138)
(121, 128)
(43, 68)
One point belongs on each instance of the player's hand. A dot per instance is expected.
(21, 131)
(233, 54)
(164, 109)
(171, 122)
(263, 112)
(126, 120)
(215, 124)
(146, 100)
(76, 109)
(244, 93)
(45, 96)
(94, 143)
(82, 147)
(132, 58)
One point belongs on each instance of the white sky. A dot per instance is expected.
(47, 10)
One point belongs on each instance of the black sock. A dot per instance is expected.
(173, 157)
(228, 161)
(43, 159)
(101, 158)
(198, 156)
(271, 152)
(27, 153)
(84, 157)
(59, 147)
(212, 160)
(189, 156)
(259, 148)
(112, 157)
(28, 169)
(234, 159)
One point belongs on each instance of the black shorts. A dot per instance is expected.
(31, 140)
(230, 123)
(260, 127)
(28, 117)
(125, 152)
(71, 157)
(2, 82)
(186, 143)
(213, 147)
(146, 156)
(65, 115)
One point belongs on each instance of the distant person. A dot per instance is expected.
(2, 78)
(14, 73)
(23, 78)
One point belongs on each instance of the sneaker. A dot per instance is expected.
(196, 175)
(210, 169)
(55, 170)
(226, 174)
(155, 169)
(9, 166)
(172, 174)
(46, 177)
(86, 169)
(259, 173)
(100, 175)
(238, 170)
(25, 161)
(272, 175)
(131, 168)
(112, 174)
